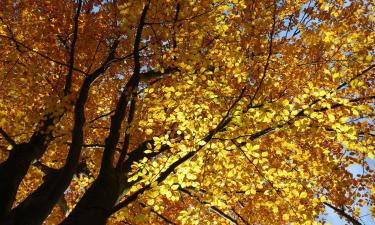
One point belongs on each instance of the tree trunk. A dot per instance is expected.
(13, 170)
(37, 206)
(97, 202)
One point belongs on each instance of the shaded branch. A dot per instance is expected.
(125, 146)
(41, 54)
(101, 116)
(241, 217)
(156, 74)
(127, 56)
(350, 100)
(343, 213)
(139, 153)
(56, 183)
(256, 168)
(133, 83)
(355, 77)
(163, 175)
(158, 214)
(213, 208)
(114, 133)
(68, 82)
(206, 192)
(268, 58)
(44, 168)
(63, 205)
(7, 137)
(175, 19)
(79, 116)
(118, 117)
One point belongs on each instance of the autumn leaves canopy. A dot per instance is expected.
(185, 112)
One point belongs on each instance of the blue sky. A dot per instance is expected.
(365, 216)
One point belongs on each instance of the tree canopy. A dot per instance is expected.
(185, 112)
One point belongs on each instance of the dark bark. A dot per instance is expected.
(342, 213)
(14, 169)
(212, 208)
(18, 162)
(95, 205)
(69, 76)
(161, 216)
(163, 175)
(103, 193)
(30, 211)
(48, 194)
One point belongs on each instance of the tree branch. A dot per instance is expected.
(53, 188)
(350, 100)
(214, 208)
(7, 137)
(343, 213)
(120, 111)
(68, 82)
(175, 19)
(241, 217)
(133, 83)
(125, 146)
(355, 77)
(158, 214)
(114, 133)
(268, 58)
(101, 116)
(163, 175)
(41, 54)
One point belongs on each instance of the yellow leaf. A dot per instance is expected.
(253, 191)
(150, 201)
(331, 117)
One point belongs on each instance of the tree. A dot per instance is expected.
(185, 112)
